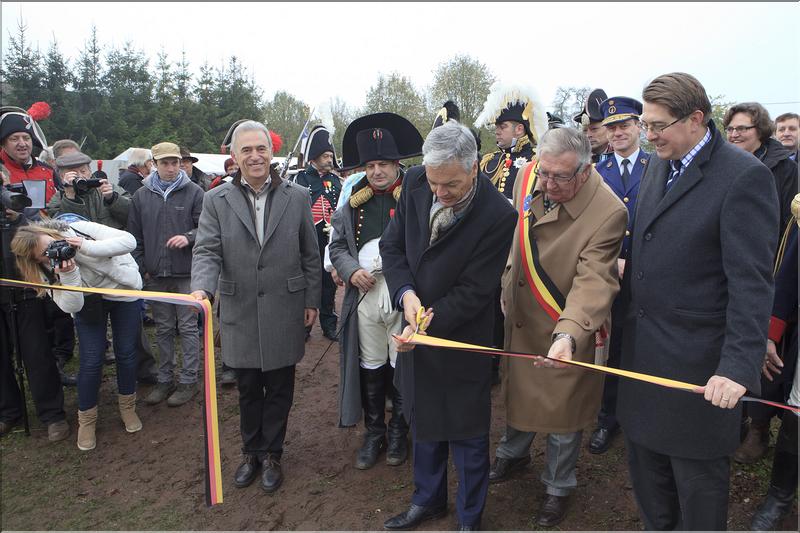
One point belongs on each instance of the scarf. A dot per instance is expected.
(443, 218)
(164, 188)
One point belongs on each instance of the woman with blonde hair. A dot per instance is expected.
(86, 254)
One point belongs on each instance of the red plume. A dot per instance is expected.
(223, 149)
(39, 111)
(277, 142)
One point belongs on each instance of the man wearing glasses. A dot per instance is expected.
(557, 295)
(698, 288)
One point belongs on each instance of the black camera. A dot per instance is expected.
(14, 197)
(59, 251)
(84, 185)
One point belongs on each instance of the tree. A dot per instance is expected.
(464, 80)
(286, 115)
(397, 94)
(568, 102)
(23, 71)
(64, 118)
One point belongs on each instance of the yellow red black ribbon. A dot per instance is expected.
(213, 477)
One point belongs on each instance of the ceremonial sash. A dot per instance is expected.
(544, 290)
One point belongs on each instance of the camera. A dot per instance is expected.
(14, 197)
(59, 251)
(84, 185)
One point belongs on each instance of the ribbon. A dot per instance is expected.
(435, 342)
(213, 473)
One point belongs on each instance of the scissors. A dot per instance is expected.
(422, 322)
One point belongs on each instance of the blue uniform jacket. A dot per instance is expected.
(611, 175)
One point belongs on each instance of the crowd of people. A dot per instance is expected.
(567, 241)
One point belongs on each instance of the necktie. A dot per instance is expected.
(626, 175)
(676, 171)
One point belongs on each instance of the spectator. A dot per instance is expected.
(195, 174)
(64, 147)
(787, 131)
(140, 164)
(19, 133)
(163, 219)
(102, 260)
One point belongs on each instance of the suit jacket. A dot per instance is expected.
(263, 290)
(609, 170)
(578, 244)
(699, 290)
(448, 392)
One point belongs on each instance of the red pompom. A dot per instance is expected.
(39, 111)
(277, 142)
(223, 149)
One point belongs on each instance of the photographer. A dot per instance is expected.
(89, 255)
(29, 317)
(91, 197)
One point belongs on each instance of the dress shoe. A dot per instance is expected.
(247, 471)
(271, 476)
(415, 515)
(601, 440)
(57, 431)
(553, 510)
(473, 527)
(502, 468)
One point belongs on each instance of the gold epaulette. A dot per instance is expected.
(485, 160)
(396, 193)
(361, 197)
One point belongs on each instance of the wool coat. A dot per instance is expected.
(699, 293)
(263, 289)
(578, 244)
(448, 392)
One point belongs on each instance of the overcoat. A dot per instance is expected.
(448, 391)
(263, 289)
(699, 293)
(578, 243)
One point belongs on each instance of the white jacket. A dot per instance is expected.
(105, 262)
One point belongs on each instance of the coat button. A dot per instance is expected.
(627, 233)
(648, 236)
(518, 324)
(260, 294)
(586, 323)
(521, 283)
(640, 275)
(640, 314)
(626, 200)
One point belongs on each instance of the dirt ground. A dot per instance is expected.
(153, 479)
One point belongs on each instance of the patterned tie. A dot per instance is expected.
(676, 171)
(626, 175)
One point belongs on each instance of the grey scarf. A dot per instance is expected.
(443, 218)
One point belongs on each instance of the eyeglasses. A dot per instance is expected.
(657, 129)
(738, 129)
(560, 180)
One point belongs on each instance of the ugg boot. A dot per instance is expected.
(373, 397)
(87, 421)
(127, 411)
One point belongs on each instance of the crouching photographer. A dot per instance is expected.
(88, 254)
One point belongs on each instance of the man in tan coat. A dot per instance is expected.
(557, 294)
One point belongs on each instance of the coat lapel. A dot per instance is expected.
(279, 202)
(686, 182)
(424, 199)
(238, 205)
(613, 177)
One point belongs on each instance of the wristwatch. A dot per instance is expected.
(559, 336)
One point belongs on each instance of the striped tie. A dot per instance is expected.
(676, 171)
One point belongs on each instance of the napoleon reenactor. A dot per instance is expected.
(513, 111)
(622, 173)
(590, 120)
(376, 142)
(324, 188)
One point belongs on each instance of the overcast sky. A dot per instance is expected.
(744, 51)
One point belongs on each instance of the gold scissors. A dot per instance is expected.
(422, 321)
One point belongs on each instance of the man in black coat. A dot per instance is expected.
(446, 247)
(699, 283)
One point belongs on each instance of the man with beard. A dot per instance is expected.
(324, 189)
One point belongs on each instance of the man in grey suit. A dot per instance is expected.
(256, 243)
(699, 290)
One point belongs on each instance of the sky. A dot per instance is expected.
(743, 51)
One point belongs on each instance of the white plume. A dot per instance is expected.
(325, 115)
(501, 94)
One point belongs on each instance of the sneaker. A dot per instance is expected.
(57, 431)
(183, 394)
(159, 393)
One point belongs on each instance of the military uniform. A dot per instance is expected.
(590, 113)
(502, 165)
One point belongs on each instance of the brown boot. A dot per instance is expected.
(87, 420)
(755, 444)
(127, 411)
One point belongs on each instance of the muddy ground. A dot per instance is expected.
(153, 479)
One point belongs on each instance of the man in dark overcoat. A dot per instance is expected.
(699, 283)
(446, 248)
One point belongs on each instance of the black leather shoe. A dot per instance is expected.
(271, 477)
(502, 468)
(370, 451)
(601, 439)
(473, 527)
(246, 472)
(415, 515)
(553, 510)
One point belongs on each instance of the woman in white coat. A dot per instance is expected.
(101, 259)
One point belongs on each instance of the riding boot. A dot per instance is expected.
(397, 450)
(373, 394)
(783, 483)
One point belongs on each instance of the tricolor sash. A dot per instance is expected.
(544, 290)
